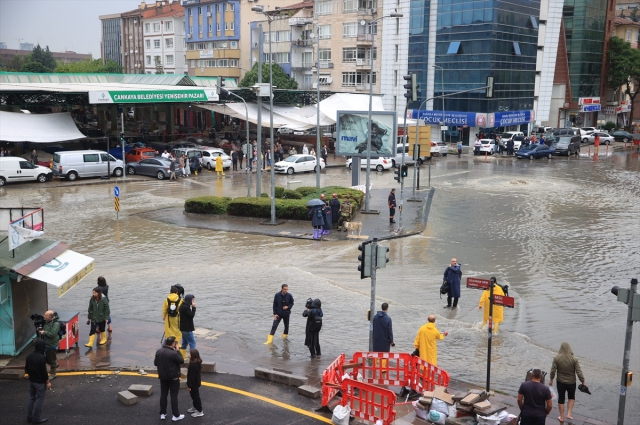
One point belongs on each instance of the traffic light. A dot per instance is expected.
(411, 86)
(220, 87)
(404, 171)
(383, 257)
(489, 93)
(398, 174)
(365, 259)
(121, 139)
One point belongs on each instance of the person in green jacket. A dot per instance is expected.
(567, 367)
(50, 333)
(98, 314)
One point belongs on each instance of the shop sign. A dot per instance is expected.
(591, 108)
(609, 110)
(153, 96)
(450, 117)
(504, 119)
(588, 101)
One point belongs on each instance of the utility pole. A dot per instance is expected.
(259, 143)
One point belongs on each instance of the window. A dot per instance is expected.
(147, 27)
(349, 54)
(396, 54)
(454, 48)
(367, 4)
(628, 38)
(169, 59)
(156, 44)
(210, 27)
(516, 49)
(192, 63)
(350, 6)
(324, 31)
(284, 36)
(324, 8)
(168, 25)
(368, 28)
(349, 29)
(229, 26)
(168, 42)
(201, 46)
(147, 44)
(91, 157)
(218, 7)
(156, 27)
(148, 60)
(395, 78)
(157, 60)
(223, 63)
(229, 7)
(199, 11)
(356, 79)
(324, 55)
(218, 27)
(189, 12)
(533, 22)
(190, 29)
(233, 63)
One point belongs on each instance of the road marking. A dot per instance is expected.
(211, 385)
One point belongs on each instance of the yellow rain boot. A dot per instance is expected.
(284, 336)
(92, 338)
(103, 340)
(269, 339)
(495, 328)
(183, 351)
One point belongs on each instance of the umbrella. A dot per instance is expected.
(316, 202)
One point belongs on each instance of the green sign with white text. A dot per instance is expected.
(153, 96)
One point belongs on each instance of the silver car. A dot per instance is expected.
(157, 167)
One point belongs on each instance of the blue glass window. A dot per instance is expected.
(533, 22)
(454, 46)
(516, 48)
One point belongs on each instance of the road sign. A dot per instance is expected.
(504, 301)
(116, 191)
(117, 203)
(474, 282)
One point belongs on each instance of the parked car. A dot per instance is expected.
(566, 145)
(488, 145)
(508, 135)
(517, 142)
(622, 136)
(89, 163)
(605, 138)
(535, 151)
(298, 164)
(138, 154)
(439, 149)
(584, 131)
(209, 158)
(401, 151)
(178, 145)
(378, 164)
(566, 132)
(16, 169)
(157, 167)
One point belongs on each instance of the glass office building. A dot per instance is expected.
(470, 41)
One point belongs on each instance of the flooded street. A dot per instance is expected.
(560, 233)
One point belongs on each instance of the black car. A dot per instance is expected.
(622, 136)
(567, 145)
(157, 167)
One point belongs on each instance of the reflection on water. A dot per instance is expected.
(560, 233)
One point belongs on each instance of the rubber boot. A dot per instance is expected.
(92, 338)
(284, 336)
(103, 340)
(52, 374)
(495, 327)
(183, 351)
(269, 339)
(315, 233)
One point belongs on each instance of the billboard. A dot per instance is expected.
(352, 130)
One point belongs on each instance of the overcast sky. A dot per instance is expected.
(60, 24)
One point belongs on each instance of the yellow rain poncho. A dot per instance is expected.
(498, 310)
(426, 342)
(219, 165)
(171, 324)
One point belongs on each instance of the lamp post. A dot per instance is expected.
(271, 144)
(246, 110)
(317, 36)
(373, 39)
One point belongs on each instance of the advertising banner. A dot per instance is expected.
(591, 108)
(154, 96)
(352, 133)
(505, 119)
(471, 119)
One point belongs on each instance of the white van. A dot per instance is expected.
(16, 169)
(74, 164)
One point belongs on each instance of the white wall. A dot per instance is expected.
(548, 35)
(389, 88)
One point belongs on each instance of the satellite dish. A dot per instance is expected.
(363, 22)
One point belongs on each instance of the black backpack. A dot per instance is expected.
(316, 324)
(505, 289)
(63, 330)
(444, 289)
(172, 312)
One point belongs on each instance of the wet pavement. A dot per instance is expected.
(560, 232)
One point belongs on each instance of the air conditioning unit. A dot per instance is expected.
(208, 14)
(190, 36)
(374, 11)
(330, 64)
(224, 45)
(359, 62)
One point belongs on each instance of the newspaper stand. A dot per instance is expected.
(70, 320)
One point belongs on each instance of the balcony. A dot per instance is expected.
(364, 12)
(298, 22)
(302, 65)
(364, 39)
(326, 65)
(363, 63)
(362, 86)
(301, 43)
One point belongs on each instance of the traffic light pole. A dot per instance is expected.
(372, 304)
(124, 160)
(627, 352)
(404, 149)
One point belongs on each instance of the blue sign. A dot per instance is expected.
(116, 191)
(450, 117)
(504, 119)
(590, 108)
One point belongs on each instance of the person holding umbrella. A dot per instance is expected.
(317, 218)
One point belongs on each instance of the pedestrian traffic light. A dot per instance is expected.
(365, 259)
(404, 171)
(398, 174)
(383, 257)
(489, 93)
(411, 87)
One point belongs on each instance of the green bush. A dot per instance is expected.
(289, 209)
(207, 205)
(610, 125)
(306, 190)
(291, 194)
(264, 195)
(279, 192)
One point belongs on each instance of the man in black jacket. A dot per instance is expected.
(187, 311)
(168, 362)
(382, 331)
(36, 368)
(282, 304)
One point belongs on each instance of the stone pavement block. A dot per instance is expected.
(280, 377)
(141, 390)
(127, 398)
(309, 391)
(16, 374)
(209, 367)
(262, 373)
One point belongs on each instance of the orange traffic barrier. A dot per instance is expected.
(332, 379)
(369, 402)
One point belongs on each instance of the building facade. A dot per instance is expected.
(132, 42)
(164, 40)
(26, 46)
(111, 40)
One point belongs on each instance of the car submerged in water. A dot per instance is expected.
(535, 151)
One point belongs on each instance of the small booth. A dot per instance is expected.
(28, 265)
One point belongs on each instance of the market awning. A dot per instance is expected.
(35, 128)
(64, 271)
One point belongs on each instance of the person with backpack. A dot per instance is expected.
(50, 334)
(453, 275)
(498, 311)
(98, 314)
(171, 314)
(313, 313)
(187, 312)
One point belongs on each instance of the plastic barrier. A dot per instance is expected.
(369, 402)
(383, 368)
(332, 379)
(426, 376)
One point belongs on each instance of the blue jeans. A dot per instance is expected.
(36, 398)
(188, 338)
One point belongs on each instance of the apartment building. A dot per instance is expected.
(164, 40)
(132, 38)
(111, 40)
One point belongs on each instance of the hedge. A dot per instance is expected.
(279, 192)
(291, 194)
(306, 190)
(207, 205)
(290, 209)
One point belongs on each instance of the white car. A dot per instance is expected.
(298, 164)
(488, 145)
(209, 158)
(378, 164)
(605, 138)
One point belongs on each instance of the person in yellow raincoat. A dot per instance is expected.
(219, 167)
(426, 341)
(498, 310)
(171, 314)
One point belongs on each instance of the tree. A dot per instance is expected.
(624, 68)
(32, 66)
(44, 57)
(16, 62)
(280, 79)
(634, 15)
(159, 68)
(90, 66)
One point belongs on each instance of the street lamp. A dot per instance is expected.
(318, 168)
(373, 40)
(246, 110)
(260, 9)
(442, 82)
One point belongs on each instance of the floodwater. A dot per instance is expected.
(560, 233)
